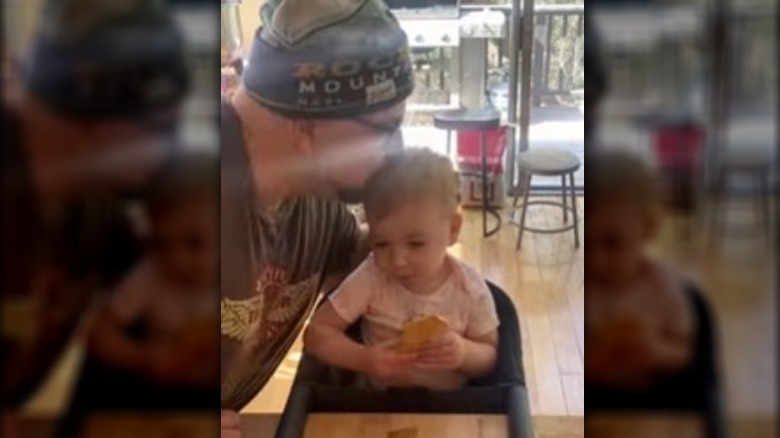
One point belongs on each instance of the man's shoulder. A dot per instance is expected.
(318, 202)
(326, 211)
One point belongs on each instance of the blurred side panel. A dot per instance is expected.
(691, 86)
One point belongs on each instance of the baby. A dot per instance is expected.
(161, 319)
(638, 324)
(413, 215)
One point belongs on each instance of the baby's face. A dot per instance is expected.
(184, 243)
(616, 234)
(410, 243)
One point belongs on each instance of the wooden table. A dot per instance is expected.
(632, 426)
(381, 426)
(738, 426)
(318, 426)
(135, 426)
(264, 426)
(406, 426)
(388, 426)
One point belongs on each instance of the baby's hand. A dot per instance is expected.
(633, 344)
(385, 362)
(444, 353)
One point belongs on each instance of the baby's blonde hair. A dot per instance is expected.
(620, 175)
(412, 172)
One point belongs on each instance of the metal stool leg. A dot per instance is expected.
(764, 181)
(574, 211)
(563, 199)
(715, 208)
(518, 192)
(486, 208)
(524, 208)
(485, 203)
(515, 198)
(449, 143)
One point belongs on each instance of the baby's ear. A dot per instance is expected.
(455, 224)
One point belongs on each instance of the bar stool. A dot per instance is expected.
(481, 120)
(548, 162)
(754, 165)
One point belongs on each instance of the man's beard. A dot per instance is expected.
(356, 195)
(131, 173)
(352, 195)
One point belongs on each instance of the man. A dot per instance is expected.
(321, 102)
(100, 87)
(595, 79)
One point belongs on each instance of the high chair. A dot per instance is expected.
(319, 388)
(696, 390)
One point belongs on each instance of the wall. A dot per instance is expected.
(21, 18)
(250, 20)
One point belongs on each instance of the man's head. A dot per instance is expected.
(596, 81)
(337, 72)
(623, 215)
(412, 207)
(114, 74)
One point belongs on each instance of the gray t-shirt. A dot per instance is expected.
(273, 267)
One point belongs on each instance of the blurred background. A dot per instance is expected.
(197, 20)
(692, 87)
(196, 134)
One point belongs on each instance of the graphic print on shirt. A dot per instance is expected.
(260, 318)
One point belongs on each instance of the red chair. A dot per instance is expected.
(479, 123)
(678, 149)
(469, 154)
(679, 146)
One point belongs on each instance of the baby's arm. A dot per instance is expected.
(480, 355)
(109, 343)
(481, 338)
(671, 340)
(108, 340)
(325, 339)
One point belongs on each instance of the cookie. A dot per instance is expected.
(409, 432)
(418, 332)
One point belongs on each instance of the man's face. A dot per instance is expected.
(123, 156)
(348, 151)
